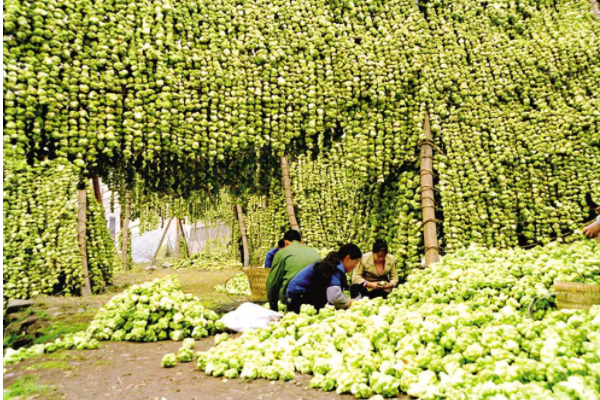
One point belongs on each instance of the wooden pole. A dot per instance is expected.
(97, 191)
(287, 189)
(162, 238)
(177, 250)
(240, 215)
(427, 198)
(186, 249)
(86, 289)
(125, 233)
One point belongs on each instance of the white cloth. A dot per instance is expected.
(249, 316)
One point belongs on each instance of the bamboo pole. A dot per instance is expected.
(162, 238)
(177, 250)
(287, 189)
(185, 241)
(86, 288)
(97, 191)
(125, 233)
(427, 198)
(240, 215)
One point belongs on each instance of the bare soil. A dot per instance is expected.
(132, 371)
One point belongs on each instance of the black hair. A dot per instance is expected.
(327, 266)
(292, 235)
(281, 243)
(380, 245)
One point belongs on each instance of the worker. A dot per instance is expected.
(286, 264)
(325, 281)
(272, 252)
(376, 275)
(593, 229)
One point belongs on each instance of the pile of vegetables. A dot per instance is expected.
(151, 311)
(236, 286)
(156, 310)
(41, 250)
(72, 341)
(456, 329)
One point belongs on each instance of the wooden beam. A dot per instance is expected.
(427, 198)
(185, 241)
(287, 189)
(177, 250)
(125, 233)
(97, 191)
(86, 288)
(240, 215)
(162, 238)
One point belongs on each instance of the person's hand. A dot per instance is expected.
(592, 230)
(350, 302)
(389, 286)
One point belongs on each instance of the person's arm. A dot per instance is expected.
(358, 274)
(593, 229)
(274, 281)
(393, 276)
(269, 258)
(337, 298)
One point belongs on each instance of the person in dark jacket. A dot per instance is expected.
(271, 254)
(325, 281)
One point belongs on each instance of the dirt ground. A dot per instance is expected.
(132, 371)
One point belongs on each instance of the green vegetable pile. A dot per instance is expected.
(236, 286)
(156, 310)
(41, 249)
(458, 329)
(71, 341)
(153, 311)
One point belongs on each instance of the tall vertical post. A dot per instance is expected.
(427, 198)
(287, 189)
(162, 238)
(125, 233)
(177, 238)
(240, 215)
(97, 191)
(86, 288)
(186, 248)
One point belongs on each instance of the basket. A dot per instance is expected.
(257, 276)
(576, 295)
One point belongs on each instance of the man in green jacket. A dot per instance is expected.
(293, 258)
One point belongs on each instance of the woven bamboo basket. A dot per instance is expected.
(257, 276)
(576, 295)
